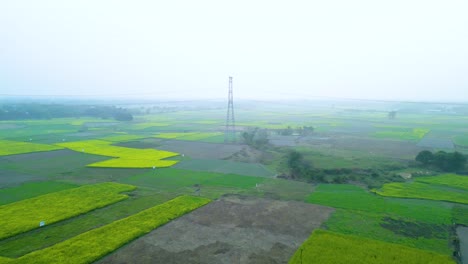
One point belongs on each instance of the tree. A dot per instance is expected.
(425, 157)
(297, 165)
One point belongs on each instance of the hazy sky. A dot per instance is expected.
(399, 49)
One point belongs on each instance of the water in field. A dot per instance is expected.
(462, 233)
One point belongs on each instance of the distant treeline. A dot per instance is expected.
(445, 161)
(48, 111)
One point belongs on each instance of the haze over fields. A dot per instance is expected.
(393, 50)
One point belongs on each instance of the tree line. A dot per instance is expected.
(445, 161)
(25, 111)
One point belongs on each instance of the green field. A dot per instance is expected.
(356, 198)
(329, 247)
(449, 187)
(15, 147)
(224, 166)
(94, 244)
(26, 214)
(403, 222)
(403, 231)
(32, 189)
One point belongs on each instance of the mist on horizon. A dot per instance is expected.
(399, 50)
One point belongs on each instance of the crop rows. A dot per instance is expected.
(26, 214)
(94, 244)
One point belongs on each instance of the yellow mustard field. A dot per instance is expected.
(331, 248)
(125, 157)
(8, 147)
(26, 214)
(94, 244)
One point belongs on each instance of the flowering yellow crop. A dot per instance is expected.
(8, 147)
(328, 247)
(96, 243)
(25, 215)
(126, 157)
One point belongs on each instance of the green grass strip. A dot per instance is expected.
(25, 215)
(329, 247)
(352, 197)
(448, 187)
(32, 189)
(94, 244)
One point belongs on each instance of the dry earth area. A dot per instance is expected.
(233, 229)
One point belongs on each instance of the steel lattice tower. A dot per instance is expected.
(230, 132)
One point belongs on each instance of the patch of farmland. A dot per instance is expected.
(461, 140)
(383, 147)
(25, 215)
(405, 134)
(234, 229)
(329, 247)
(352, 197)
(191, 136)
(31, 189)
(171, 179)
(59, 164)
(448, 187)
(96, 243)
(225, 166)
(433, 237)
(10, 178)
(201, 150)
(145, 125)
(125, 157)
(288, 141)
(15, 147)
(430, 141)
(121, 138)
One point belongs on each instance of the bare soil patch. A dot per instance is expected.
(234, 229)
(200, 150)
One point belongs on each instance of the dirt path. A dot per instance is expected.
(462, 233)
(233, 229)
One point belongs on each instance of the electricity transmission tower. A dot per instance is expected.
(230, 132)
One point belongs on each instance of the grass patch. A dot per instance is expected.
(94, 244)
(449, 187)
(126, 157)
(25, 215)
(355, 198)
(329, 247)
(404, 231)
(224, 166)
(15, 147)
(32, 189)
(460, 214)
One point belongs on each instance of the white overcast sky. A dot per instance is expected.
(371, 49)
